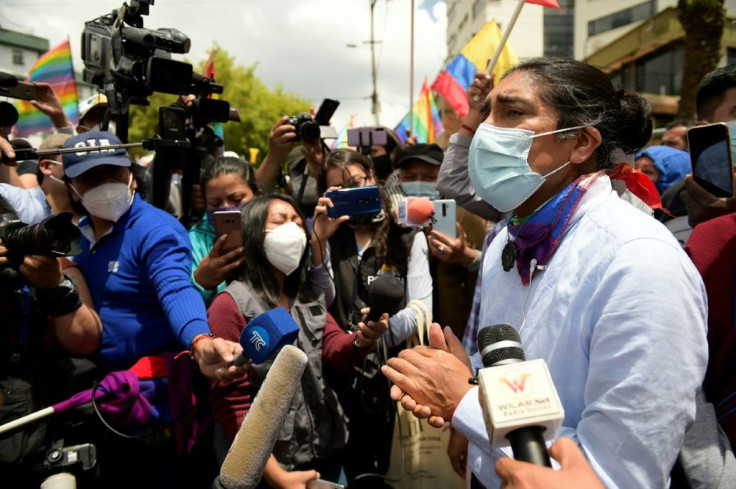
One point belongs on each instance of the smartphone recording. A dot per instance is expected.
(711, 158)
(354, 201)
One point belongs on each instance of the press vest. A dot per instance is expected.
(315, 426)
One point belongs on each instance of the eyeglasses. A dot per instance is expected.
(357, 182)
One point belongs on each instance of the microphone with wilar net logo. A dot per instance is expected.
(520, 404)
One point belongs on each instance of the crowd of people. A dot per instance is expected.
(574, 226)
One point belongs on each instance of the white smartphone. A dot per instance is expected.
(444, 217)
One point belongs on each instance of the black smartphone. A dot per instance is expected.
(711, 158)
(354, 201)
(367, 136)
(23, 91)
(229, 223)
(326, 111)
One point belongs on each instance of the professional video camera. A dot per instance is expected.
(54, 236)
(129, 62)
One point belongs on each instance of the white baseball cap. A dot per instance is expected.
(93, 101)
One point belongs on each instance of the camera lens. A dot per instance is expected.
(310, 131)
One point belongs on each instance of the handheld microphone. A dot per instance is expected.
(244, 464)
(266, 334)
(519, 400)
(415, 212)
(385, 294)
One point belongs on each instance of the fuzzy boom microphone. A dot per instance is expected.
(244, 464)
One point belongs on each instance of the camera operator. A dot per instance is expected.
(304, 162)
(47, 323)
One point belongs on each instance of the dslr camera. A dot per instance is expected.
(311, 130)
(306, 128)
(54, 236)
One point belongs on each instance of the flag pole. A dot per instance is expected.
(505, 37)
(411, 73)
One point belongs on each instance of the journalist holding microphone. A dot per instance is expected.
(599, 292)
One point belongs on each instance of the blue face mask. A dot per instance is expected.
(420, 189)
(211, 212)
(498, 166)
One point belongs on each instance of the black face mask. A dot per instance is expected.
(382, 166)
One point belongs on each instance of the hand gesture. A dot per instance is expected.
(451, 250)
(296, 479)
(41, 272)
(369, 331)
(281, 138)
(575, 471)
(324, 225)
(213, 355)
(48, 103)
(431, 381)
(217, 265)
(7, 150)
(702, 205)
(479, 90)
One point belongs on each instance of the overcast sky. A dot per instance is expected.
(301, 44)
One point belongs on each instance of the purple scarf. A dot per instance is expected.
(539, 236)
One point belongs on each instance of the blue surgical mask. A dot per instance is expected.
(211, 212)
(498, 166)
(420, 189)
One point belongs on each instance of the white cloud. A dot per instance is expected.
(299, 44)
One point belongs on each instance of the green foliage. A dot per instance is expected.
(259, 106)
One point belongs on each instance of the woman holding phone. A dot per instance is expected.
(362, 248)
(228, 184)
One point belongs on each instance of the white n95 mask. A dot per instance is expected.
(108, 201)
(284, 246)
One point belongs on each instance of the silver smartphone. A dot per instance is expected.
(444, 217)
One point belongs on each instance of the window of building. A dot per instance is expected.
(622, 18)
(659, 73)
(559, 30)
(478, 6)
(18, 57)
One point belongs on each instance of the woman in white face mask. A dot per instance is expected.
(273, 275)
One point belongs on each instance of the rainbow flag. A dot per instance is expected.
(55, 68)
(427, 120)
(342, 136)
(453, 82)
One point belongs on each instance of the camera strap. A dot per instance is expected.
(303, 185)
